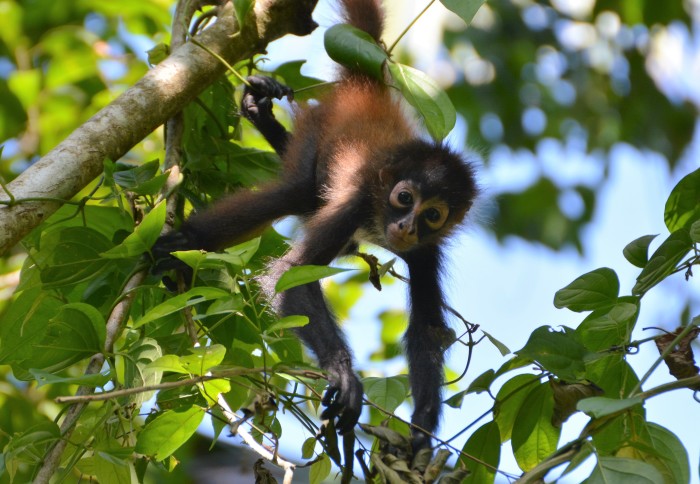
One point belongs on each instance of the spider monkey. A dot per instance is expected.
(355, 170)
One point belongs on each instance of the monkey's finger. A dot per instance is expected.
(329, 395)
(331, 411)
(347, 421)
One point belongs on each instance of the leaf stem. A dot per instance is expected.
(405, 31)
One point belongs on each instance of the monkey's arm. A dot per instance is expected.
(425, 341)
(328, 232)
(256, 106)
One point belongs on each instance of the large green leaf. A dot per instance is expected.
(167, 432)
(560, 352)
(174, 304)
(672, 457)
(485, 446)
(300, 275)
(141, 240)
(388, 393)
(423, 93)
(664, 260)
(71, 255)
(509, 400)
(75, 333)
(598, 407)
(683, 205)
(355, 49)
(534, 437)
(624, 471)
(606, 328)
(593, 290)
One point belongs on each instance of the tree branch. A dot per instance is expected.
(159, 95)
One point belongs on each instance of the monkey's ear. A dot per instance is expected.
(385, 176)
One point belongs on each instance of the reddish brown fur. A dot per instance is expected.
(366, 15)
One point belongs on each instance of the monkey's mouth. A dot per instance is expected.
(399, 240)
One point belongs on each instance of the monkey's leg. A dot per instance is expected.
(256, 106)
(328, 232)
(425, 341)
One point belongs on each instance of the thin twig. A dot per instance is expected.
(115, 325)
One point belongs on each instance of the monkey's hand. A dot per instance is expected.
(164, 261)
(256, 104)
(343, 399)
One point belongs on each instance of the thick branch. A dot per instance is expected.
(161, 93)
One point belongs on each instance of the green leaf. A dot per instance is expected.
(142, 179)
(637, 251)
(594, 290)
(484, 445)
(203, 359)
(466, 9)
(560, 352)
(503, 349)
(24, 323)
(355, 49)
(288, 322)
(624, 471)
(168, 363)
(672, 460)
(598, 407)
(427, 98)
(93, 380)
(241, 8)
(143, 237)
(683, 205)
(606, 328)
(75, 333)
(194, 296)
(320, 470)
(510, 399)
(138, 371)
(664, 260)
(534, 437)
(300, 275)
(388, 393)
(482, 383)
(167, 432)
(308, 447)
(71, 255)
(211, 390)
(695, 231)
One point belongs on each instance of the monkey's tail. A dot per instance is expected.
(366, 15)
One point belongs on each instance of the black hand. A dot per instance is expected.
(343, 399)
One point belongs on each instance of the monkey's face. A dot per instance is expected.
(411, 219)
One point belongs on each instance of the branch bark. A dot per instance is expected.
(159, 95)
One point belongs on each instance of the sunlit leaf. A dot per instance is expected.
(484, 446)
(300, 275)
(430, 101)
(166, 433)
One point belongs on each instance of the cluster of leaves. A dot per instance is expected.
(527, 66)
(586, 369)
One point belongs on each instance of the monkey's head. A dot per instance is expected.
(428, 191)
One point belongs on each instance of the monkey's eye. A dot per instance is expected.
(405, 198)
(432, 215)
